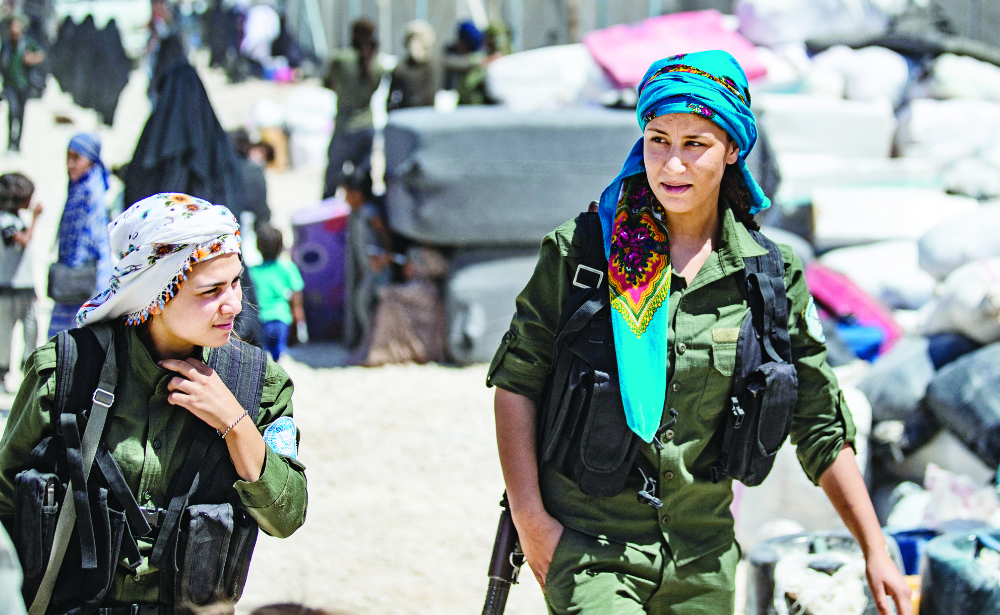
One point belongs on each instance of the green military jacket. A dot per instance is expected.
(705, 318)
(354, 91)
(150, 438)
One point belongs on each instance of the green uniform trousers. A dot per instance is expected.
(593, 576)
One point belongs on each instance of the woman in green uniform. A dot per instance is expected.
(676, 318)
(170, 303)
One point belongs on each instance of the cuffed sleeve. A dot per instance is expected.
(278, 499)
(525, 354)
(822, 422)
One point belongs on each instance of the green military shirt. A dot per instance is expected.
(354, 92)
(150, 438)
(704, 324)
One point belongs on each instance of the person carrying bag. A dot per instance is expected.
(146, 448)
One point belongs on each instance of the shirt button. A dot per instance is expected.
(681, 348)
(146, 495)
(157, 444)
(667, 436)
(675, 387)
(668, 475)
(665, 519)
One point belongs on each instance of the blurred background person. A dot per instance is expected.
(462, 58)
(354, 74)
(83, 228)
(368, 258)
(20, 53)
(260, 29)
(417, 78)
(17, 286)
(410, 322)
(279, 291)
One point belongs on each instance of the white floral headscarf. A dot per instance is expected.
(157, 241)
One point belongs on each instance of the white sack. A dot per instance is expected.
(973, 177)
(867, 74)
(967, 302)
(803, 173)
(961, 240)
(947, 129)
(888, 270)
(855, 215)
(547, 78)
(770, 22)
(964, 77)
(819, 124)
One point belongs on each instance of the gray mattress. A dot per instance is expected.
(479, 300)
(489, 176)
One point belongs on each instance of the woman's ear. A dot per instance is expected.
(733, 154)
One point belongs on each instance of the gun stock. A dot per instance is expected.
(505, 563)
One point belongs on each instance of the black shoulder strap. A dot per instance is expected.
(242, 367)
(765, 291)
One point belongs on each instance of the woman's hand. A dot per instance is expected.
(539, 536)
(885, 580)
(199, 390)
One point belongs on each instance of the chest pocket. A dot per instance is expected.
(719, 381)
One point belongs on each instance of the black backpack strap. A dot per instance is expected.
(765, 291)
(242, 367)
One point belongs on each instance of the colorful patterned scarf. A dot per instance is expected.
(157, 241)
(710, 84)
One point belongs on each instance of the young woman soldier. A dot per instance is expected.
(171, 302)
(675, 315)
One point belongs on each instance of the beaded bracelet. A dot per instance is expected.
(240, 418)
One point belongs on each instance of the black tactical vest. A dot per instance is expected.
(582, 431)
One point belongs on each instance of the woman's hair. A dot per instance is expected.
(363, 35)
(735, 191)
(15, 191)
(269, 241)
(290, 608)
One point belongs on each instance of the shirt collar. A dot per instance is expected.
(141, 362)
(736, 243)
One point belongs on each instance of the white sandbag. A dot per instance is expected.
(547, 78)
(803, 173)
(854, 215)
(967, 302)
(898, 380)
(963, 77)
(947, 129)
(310, 109)
(973, 177)
(868, 74)
(819, 124)
(887, 270)
(770, 22)
(961, 240)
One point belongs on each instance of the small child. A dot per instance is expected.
(17, 286)
(278, 285)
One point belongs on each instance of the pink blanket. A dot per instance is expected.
(626, 51)
(844, 297)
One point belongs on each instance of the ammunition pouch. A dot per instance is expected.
(214, 546)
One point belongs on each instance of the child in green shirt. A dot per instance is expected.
(278, 285)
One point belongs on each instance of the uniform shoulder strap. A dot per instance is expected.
(765, 290)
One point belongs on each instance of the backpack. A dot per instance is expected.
(69, 554)
(582, 431)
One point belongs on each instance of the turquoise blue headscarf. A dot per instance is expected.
(710, 84)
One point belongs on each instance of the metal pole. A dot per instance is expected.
(975, 15)
(655, 8)
(421, 11)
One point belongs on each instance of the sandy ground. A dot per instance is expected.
(404, 480)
